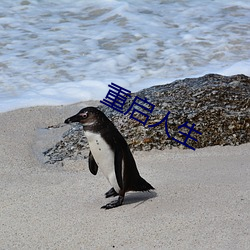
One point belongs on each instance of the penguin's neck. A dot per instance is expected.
(93, 127)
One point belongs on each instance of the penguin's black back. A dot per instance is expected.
(132, 180)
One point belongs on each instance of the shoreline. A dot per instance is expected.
(201, 198)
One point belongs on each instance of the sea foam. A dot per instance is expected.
(62, 52)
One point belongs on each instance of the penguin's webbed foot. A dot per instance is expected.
(113, 204)
(111, 193)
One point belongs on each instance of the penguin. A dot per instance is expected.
(110, 152)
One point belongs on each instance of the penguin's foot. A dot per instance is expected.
(113, 204)
(111, 193)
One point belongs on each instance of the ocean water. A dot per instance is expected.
(61, 52)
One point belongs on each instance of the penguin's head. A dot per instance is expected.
(88, 117)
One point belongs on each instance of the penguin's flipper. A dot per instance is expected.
(93, 167)
(111, 193)
(118, 166)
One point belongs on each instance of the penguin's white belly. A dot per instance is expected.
(104, 157)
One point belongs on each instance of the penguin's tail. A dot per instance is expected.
(141, 185)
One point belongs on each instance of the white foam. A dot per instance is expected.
(61, 52)
(242, 67)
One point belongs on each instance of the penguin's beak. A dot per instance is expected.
(74, 118)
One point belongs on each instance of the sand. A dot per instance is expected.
(201, 198)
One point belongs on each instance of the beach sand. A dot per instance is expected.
(201, 198)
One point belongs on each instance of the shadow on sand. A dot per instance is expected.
(138, 198)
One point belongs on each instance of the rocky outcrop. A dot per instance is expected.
(219, 106)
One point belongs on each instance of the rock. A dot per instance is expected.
(219, 106)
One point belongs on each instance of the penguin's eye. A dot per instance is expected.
(84, 115)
